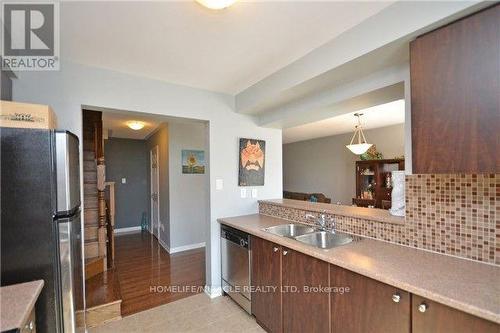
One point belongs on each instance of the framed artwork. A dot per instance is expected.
(193, 161)
(252, 162)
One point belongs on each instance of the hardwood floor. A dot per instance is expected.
(102, 289)
(149, 276)
(103, 298)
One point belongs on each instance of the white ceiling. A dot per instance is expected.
(115, 124)
(374, 117)
(184, 43)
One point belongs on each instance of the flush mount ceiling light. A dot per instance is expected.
(216, 4)
(135, 125)
(361, 146)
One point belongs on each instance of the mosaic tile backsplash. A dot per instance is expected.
(457, 215)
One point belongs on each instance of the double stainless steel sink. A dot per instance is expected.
(310, 236)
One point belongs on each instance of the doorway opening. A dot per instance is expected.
(351, 156)
(146, 208)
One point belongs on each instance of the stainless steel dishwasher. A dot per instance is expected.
(235, 260)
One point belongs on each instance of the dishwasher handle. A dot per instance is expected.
(235, 236)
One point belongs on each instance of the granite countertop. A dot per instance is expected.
(373, 214)
(16, 302)
(462, 284)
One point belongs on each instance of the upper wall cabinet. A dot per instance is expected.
(455, 96)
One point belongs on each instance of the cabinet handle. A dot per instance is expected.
(275, 249)
(285, 252)
(396, 298)
(422, 307)
(30, 326)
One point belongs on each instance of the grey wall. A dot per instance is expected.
(76, 85)
(160, 138)
(184, 199)
(127, 158)
(189, 193)
(326, 166)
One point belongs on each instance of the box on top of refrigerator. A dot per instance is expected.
(25, 115)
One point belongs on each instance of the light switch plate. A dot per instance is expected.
(254, 193)
(243, 192)
(124, 180)
(219, 184)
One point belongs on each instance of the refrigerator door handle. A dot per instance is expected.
(67, 172)
(66, 275)
(71, 276)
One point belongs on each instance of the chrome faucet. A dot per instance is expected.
(321, 220)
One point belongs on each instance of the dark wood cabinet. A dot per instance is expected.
(455, 104)
(291, 295)
(266, 280)
(288, 297)
(371, 182)
(305, 293)
(368, 306)
(429, 316)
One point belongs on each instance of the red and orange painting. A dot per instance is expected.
(252, 157)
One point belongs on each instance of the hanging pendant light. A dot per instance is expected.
(361, 146)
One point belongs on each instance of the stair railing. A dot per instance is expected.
(101, 179)
(110, 222)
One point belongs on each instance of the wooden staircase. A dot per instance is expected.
(95, 232)
(102, 290)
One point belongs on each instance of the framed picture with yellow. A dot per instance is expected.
(193, 161)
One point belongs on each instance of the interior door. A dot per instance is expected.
(155, 205)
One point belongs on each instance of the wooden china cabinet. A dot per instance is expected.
(372, 188)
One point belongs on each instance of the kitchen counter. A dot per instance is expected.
(17, 301)
(462, 284)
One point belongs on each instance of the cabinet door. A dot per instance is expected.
(368, 306)
(455, 116)
(428, 316)
(305, 309)
(266, 281)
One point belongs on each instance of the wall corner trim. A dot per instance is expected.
(163, 244)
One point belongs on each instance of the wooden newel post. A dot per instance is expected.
(101, 205)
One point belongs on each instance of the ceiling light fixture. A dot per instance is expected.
(135, 125)
(216, 4)
(362, 146)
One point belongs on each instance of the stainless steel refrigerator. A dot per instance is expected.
(41, 228)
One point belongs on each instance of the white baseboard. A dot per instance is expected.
(186, 247)
(130, 229)
(180, 248)
(213, 292)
